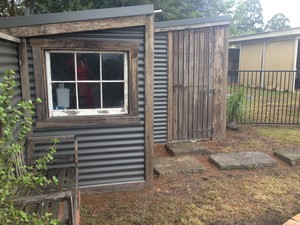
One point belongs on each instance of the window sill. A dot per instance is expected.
(88, 121)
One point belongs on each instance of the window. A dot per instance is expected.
(85, 82)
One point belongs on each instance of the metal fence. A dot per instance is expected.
(270, 97)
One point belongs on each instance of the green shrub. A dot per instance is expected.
(15, 123)
(235, 106)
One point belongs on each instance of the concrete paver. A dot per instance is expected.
(290, 156)
(291, 222)
(242, 160)
(187, 148)
(294, 221)
(177, 165)
(297, 218)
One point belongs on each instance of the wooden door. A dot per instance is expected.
(191, 93)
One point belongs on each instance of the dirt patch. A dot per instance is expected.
(160, 151)
(265, 196)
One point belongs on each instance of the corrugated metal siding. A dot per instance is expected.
(160, 87)
(9, 59)
(108, 155)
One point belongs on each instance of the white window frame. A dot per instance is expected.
(86, 112)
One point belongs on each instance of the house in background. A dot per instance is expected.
(120, 83)
(270, 51)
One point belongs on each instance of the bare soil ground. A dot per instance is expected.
(266, 196)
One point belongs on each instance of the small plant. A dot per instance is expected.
(235, 107)
(14, 174)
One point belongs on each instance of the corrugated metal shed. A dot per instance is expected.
(115, 155)
(122, 154)
(107, 155)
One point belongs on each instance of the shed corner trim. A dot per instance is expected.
(9, 38)
(193, 26)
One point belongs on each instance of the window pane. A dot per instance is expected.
(112, 66)
(89, 95)
(113, 95)
(64, 96)
(62, 66)
(88, 66)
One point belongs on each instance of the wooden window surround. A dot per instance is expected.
(39, 49)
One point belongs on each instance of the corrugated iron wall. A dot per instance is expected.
(160, 87)
(9, 60)
(108, 155)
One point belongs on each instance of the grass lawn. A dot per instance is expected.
(256, 196)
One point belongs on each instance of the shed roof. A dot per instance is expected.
(82, 15)
(192, 23)
(293, 33)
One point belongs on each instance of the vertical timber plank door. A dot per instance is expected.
(192, 97)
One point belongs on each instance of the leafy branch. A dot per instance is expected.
(15, 123)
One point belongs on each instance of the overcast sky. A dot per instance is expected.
(290, 8)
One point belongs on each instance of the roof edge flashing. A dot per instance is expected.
(75, 16)
(193, 21)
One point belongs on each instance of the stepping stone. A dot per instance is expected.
(177, 165)
(290, 156)
(187, 148)
(241, 160)
(291, 222)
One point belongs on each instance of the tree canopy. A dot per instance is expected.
(248, 18)
(278, 22)
(11, 8)
(208, 8)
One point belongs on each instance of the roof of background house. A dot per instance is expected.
(291, 33)
(62, 17)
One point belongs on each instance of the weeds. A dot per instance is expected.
(236, 106)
